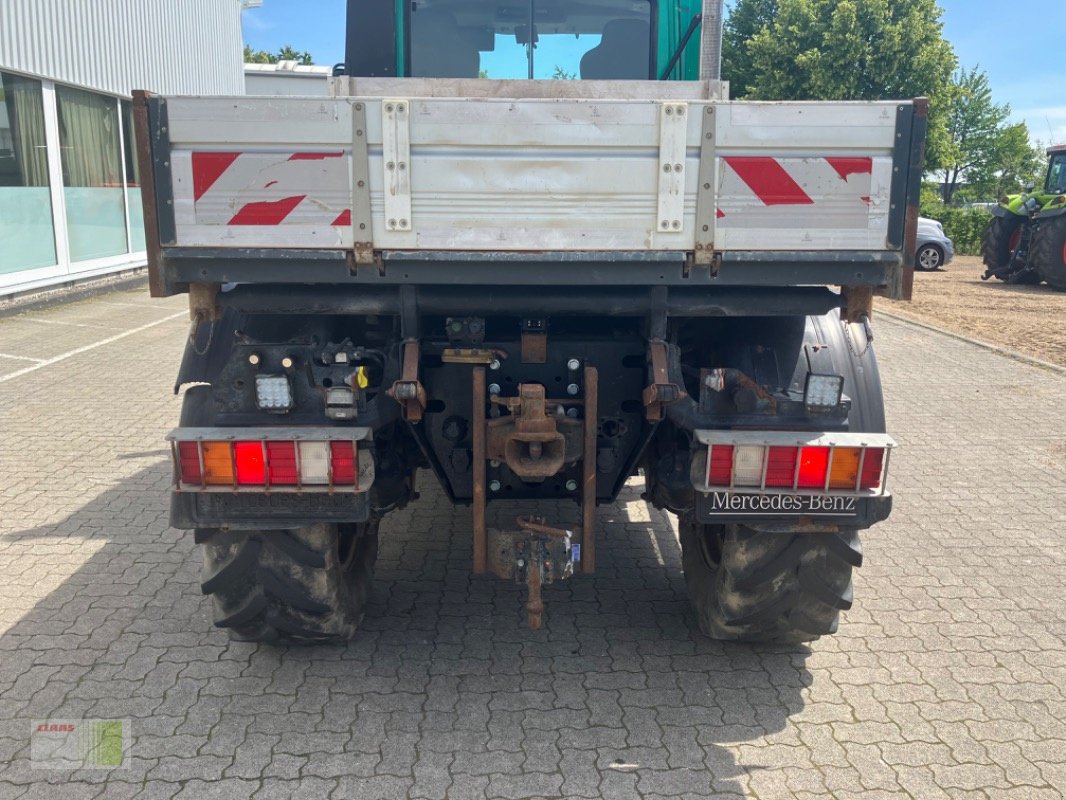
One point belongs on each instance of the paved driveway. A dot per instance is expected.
(946, 680)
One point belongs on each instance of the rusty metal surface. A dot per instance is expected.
(662, 391)
(859, 302)
(478, 433)
(529, 440)
(156, 281)
(534, 605)
(203, 302)
(588, 472)
(534, 348)
(408, 391)
(533, 553)
(457, 355)
(718, 379)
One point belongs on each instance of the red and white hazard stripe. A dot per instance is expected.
(270, 189)
(761, 191)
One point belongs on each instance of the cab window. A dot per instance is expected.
(543, 39)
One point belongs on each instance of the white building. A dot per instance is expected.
(286, 78)
(70, 203)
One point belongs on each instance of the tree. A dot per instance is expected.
(973, 124)
(286, 53)
(1013, 163)
(258, 56)
(987, 156)
(745, 20)
(841, 50)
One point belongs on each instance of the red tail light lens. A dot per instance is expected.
(813, 467)
(781, 467)
(342, 463)
(720, 468)
(872, 468)
(250, 463)
(281, 458)
(189, 462)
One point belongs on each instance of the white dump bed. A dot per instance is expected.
(405, 172)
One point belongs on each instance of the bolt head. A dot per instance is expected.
(571, 485)
(573, 365)
(495, 364)
(573, 389)
(572, 413)
(287, 362)
(254, 359)
(494, 388)
(494, 486)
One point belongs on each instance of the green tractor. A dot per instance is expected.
(1026, 240)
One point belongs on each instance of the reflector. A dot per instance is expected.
(781, 467)
(872, 468)
(189, 462)
(281, 460)
(342, 460)
(720, 465)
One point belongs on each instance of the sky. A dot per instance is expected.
(1019, 45)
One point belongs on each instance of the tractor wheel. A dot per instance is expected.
(754, 585)
(1001, 240)
(306, 585)
(1049, 252)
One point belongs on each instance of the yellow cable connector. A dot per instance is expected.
(362, 380)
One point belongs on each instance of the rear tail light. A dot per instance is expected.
(281, 461)
(342, 457)
(218, 463)
(208, 462)
(821, 467)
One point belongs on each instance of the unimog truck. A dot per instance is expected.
(530, 247)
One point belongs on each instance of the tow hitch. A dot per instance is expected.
(534, 554)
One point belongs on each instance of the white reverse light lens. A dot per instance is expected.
(314, 462)
(747, 465)
(273, 392)
(823, 391)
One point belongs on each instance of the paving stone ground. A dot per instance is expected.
(946, 679)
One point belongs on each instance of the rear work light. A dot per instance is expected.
(270, 459)
(842, 463)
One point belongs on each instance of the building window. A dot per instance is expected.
(133, 179)
(92, 173)
(25, 198)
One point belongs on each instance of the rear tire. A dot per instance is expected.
(755, 585)
(999, 242)
(1049, 252)
(304, 585)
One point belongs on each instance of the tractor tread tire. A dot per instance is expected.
(769, 586)
(1049, 252)
(995, 247)
(288, 585)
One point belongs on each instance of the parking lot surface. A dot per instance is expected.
(945, 680)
